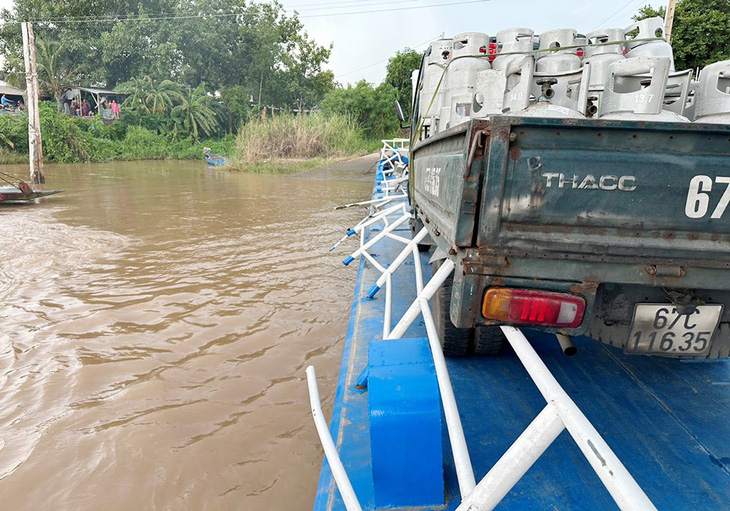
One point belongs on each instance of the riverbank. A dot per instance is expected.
(283, 144)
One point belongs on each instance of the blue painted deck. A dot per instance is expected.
(667, 420)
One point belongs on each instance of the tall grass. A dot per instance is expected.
(288, 137)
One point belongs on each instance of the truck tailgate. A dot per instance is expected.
(607, 190)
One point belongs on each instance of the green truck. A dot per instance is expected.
(619, 230)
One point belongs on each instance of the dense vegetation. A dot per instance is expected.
(194, 73)
(700, 33)
(73, 139)
(224, 43)
(261, 146)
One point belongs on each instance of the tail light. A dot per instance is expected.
(537, 308)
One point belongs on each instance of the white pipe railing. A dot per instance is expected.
(459, 449)
(400, 260)
(382, 234)
(428, 291)
(462, 461)
(623, 488)
(330, 451)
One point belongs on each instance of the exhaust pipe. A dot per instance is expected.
(566, 344)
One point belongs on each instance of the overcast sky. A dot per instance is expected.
(364, 41)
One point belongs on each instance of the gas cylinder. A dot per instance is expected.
(558, 61)
(469, 57)
(514, 41)
(600, 54)
(638, 47)
(712, 104)
(635, 91)
(438, 57)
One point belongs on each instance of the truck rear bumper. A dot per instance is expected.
(478, 272)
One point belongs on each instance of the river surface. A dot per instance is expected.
(157, 319)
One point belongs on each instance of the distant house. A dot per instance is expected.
(11, 93)
(100, 99)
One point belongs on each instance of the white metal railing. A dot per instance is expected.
(559, 414)
(330, 451)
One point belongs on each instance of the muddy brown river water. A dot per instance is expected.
(156, 322)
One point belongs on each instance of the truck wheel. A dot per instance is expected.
(488, 340)
(456, 342)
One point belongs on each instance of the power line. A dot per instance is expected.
(381, 61)
(391, 10)
(614, 14)
(338, 2)
(368, 4)
(203, 15)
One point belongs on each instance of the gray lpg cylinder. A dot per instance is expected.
(438, 56)
(600, 55)
(559, 61)
(635, 91)
(712, 104)
(516, 41)
(469, 59)
(638, 47)
(544, 109)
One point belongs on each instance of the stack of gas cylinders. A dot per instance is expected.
(618, 74)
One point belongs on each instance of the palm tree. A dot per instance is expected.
(195, 112)
(150, 97)
(137, 90)
(52, 73)
(163, 95)
(5, 140)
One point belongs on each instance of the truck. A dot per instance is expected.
(614, 227)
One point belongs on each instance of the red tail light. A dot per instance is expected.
(537, 308)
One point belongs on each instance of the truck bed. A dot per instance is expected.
(580, 189)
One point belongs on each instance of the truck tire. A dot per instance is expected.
(488, 340)
(456, 342)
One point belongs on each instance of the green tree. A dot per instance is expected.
(137, 90)
(148, 96)
(398, 75)
(53, 76)
(238, 105)
(195, 113)
(371, 107)
(255, 45)
(649, 12)
(700, 32)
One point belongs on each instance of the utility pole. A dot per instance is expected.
(669, 20)
(34, 120)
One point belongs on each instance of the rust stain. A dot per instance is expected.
(588, 286)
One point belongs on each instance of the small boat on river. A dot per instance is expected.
(213, 159)
(23, 192)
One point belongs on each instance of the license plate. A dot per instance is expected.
(659, 329)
